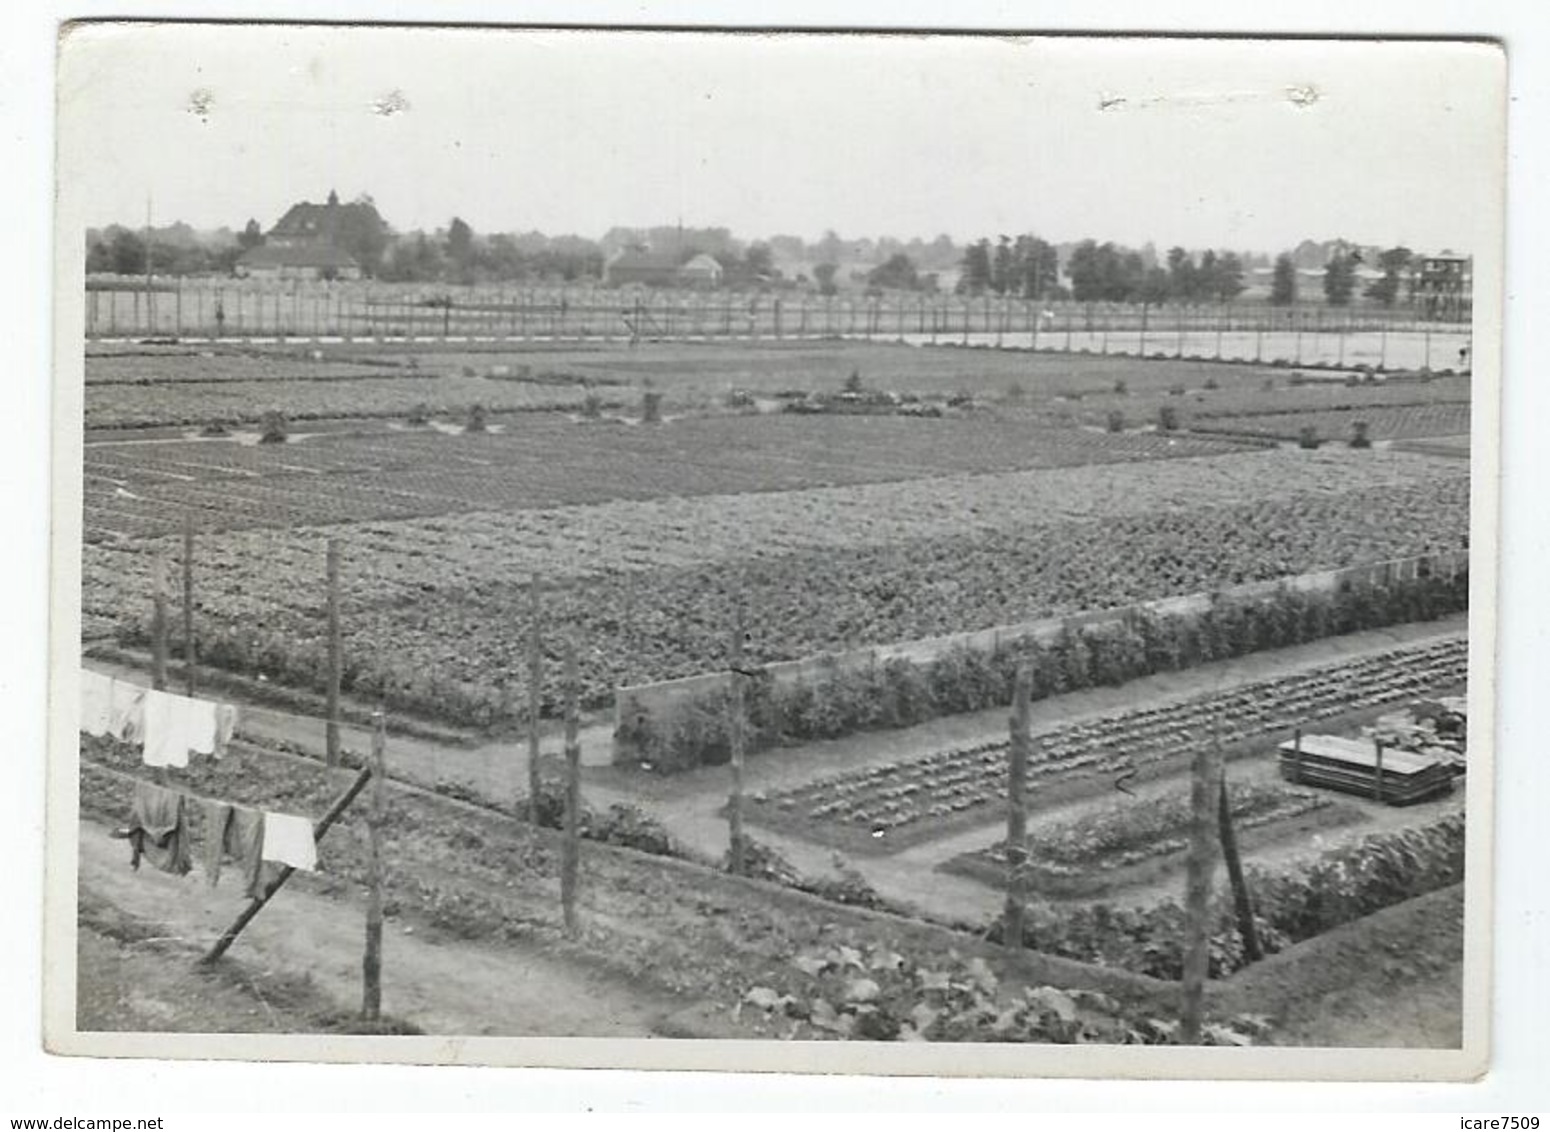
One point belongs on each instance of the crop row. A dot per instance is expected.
(448, 638)
(1131, 831)
(894, 796)
(170, 366)
(1397, 423)
(233, 402)
(544, 460)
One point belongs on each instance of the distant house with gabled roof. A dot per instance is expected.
(303, 244)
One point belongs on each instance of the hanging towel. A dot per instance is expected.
(245, 845)
(96, 703)
(198, 719)
(288, 840)
(217, 820)
(166, 737)
(225, 727)
(127, 721)
(157, 829)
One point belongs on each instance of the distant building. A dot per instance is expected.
(701, 271)
(1443, 285)
(643, 267)
(304, 245)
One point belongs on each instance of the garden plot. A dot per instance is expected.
(1383, 423)
(546, 460)
(1136, 841)
(436, 619)
(887, 808)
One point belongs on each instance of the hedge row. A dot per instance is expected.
(1290, 905)
(901, 693)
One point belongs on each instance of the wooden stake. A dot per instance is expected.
(1297, 755)
(571, 860)
(1017, 810)
(1197, 894)
(190, 645)
(735, 713)
(1377, 771)
(535, 675)
(335, 655)
(1243, 904)
(371, 962)
(257, 903)
(159, 622)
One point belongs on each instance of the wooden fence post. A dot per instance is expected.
(735, 721)
(571, 860)
(1297, 755)
(371, 963)
(159, 621)
(335, 656)
(535, 674)
(190, 645)
(1377, 770)
(1197, 894)
(1017, 811)
(1243, 903)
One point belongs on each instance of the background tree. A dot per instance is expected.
(1339, 279)
(126, 253)
(823, 275)
(1002, 271)
(460, 242)
(1283, 281)
(1182, 281)
(976, 268)
(251, 235)
(1229, 278)
(363, 233)
(1393, 263)
(758, 262)
(896, 274)
(1156, 286)
(1206, 275)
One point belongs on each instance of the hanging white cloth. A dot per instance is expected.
(289, 840)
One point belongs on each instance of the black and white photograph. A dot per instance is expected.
(953, 554)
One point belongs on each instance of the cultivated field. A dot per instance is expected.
(820, 530)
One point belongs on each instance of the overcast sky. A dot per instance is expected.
(1200, 143)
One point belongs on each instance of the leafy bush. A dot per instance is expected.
(477, 419)
(1308, 437)
(873, 993)
(840, 700)
(1167, 418)
(1115, 421)
(273, 429)
(1291, 904)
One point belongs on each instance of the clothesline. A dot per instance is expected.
(159, 830)
(169, 727)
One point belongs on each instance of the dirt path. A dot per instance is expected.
(444, 986)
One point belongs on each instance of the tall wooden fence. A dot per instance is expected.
(245, 310)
